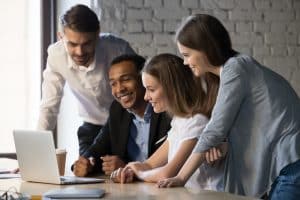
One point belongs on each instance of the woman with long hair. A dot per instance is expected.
(256, 110)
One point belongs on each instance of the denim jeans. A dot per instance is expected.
(287, 185)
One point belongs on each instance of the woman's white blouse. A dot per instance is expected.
(183, 129)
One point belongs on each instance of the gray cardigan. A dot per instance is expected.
(259, 113)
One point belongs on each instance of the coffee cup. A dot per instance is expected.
(61, 160)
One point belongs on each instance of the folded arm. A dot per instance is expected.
(192, 164)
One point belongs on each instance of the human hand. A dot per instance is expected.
(171, 182)
(111, 163)
(122, 175)
(140, 169)
(137, 166)
(83, 166)
(216, 153)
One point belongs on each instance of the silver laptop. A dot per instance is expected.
(37, 159)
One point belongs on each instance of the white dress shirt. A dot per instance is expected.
(90, 85)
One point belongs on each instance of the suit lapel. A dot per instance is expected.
(124, 130)
(153, 126)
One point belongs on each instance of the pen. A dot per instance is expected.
(160, 140)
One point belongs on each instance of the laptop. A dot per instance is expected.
(37, 159)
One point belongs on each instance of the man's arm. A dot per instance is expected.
(83, 166)
(111, 163)
(90, 161)
(100, 147)
(52, 92)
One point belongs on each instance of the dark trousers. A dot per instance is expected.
(86, 133)
(287, 185)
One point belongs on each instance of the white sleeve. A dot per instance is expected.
(194, 127)
(52, 92)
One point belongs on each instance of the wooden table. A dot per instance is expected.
(137, 190)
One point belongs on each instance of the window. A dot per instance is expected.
(20, 68)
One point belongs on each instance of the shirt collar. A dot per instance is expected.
(72, 65)
(147, 114)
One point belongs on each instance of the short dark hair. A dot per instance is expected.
(80, 18)
(138, 60)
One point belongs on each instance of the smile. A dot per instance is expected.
(80, 58)
(153, 104)
(124, 96)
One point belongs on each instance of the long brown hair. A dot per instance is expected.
(206, 33)
(183, 91)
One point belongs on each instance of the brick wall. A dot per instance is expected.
(269, 30)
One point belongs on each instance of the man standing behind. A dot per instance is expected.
(133, 131)
(81, 58)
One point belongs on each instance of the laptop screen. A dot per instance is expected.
(36, 156)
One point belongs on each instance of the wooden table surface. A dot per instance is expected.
(137, 190)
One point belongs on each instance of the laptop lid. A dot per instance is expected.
(37, 159)
(36, 156)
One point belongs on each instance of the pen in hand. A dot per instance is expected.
(160, 140)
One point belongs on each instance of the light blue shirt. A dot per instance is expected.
(139, 135)
(259, 113)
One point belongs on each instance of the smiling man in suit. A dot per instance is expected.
(133, 131)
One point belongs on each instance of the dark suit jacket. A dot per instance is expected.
(113, 137)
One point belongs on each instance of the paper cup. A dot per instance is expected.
(61, 160)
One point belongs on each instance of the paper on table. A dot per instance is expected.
(4, 171)
(9, 175)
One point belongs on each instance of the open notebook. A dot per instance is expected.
(37, 159)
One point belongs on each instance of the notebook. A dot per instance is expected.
(37, 159)
(75, 193)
